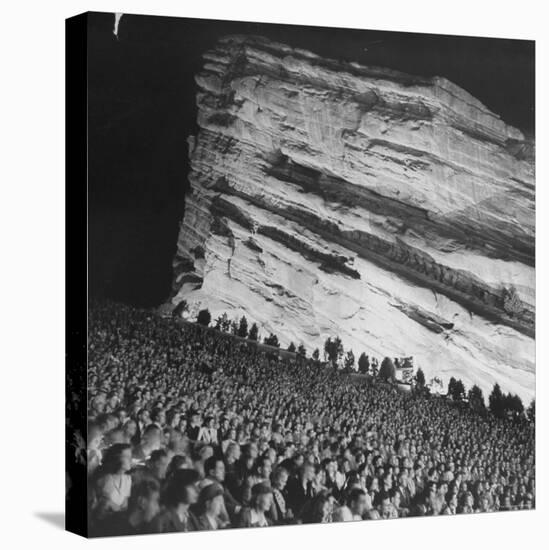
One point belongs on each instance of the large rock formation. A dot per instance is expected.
(330, 198)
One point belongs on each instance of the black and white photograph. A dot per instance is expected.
(311, 276)
(274, 275)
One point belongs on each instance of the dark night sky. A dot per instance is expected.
(142, 108)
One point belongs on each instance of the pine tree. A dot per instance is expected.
(301, 350)
(243, 327)
(223, 323)
(512, 405)
(219, 322)
(253, 334)
(476, 400)
(420, 379)
(338, 344)
(363, 364)
(291, 347)
(327, 348)
(316, 354)
(458, 390)
(451, 387)
(204, 317)
(333, 349)
(496, 401)
(375, 367)
(349, 359)
(272, 340)
(387, 369)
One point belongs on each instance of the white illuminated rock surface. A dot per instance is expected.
(330, 199)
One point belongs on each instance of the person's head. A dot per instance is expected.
(182, 424)
(196, 419)
(145, 499)
(178, 462)
(210, 422)
(468, 499)
(395, 499)
(262, 497)
(95, 436)
(205, 452)
(232, 453)
(432, 474)
(319, 510)
(122, 415)
(251, 451)
(453, 501)
(178, 442)
(307, 472)
(130, 428)
(211, 500)
(330, 465)
(356, 500)
(144, 416)
(159, 417)
(158, 463)
(264, 467)
(118, 458)
(108, 422)
(214, 468)
(299, 460)
(373, 484)
(99, 403)
(280, 478)
(172, 418)
(152, 437)
(182, 488)
(484, 503)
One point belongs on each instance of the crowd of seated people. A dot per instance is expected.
(192, 429)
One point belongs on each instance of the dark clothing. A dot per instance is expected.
(143, 473)
(298, 495)
(331, 485)
(279, 507)
(231, 504)
(192, 432)
(168, 522)
(234, 479)
(118, 524)
(203, 524)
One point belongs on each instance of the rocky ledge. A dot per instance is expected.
(329, 198)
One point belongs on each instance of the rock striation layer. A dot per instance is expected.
(329, 198)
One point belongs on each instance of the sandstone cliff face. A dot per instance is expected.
(330, 198)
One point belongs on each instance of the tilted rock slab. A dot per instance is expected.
(329, 198)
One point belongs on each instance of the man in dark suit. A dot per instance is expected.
(301, 489)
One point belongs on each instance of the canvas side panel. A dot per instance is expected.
(76, 274)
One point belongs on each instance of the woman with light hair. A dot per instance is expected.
(255, 515)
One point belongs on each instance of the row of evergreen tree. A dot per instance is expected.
(499, 403)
